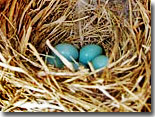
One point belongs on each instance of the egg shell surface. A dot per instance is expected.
(100, 61)
(53, 60)
(68, 51)
(89, 52)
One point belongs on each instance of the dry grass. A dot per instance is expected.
(30, 28)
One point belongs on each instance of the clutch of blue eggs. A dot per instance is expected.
(90, 53)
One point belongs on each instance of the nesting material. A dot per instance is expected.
(30, 29)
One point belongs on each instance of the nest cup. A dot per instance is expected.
(28, 30)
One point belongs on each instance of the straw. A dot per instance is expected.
(29, 31)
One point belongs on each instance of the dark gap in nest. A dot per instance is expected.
(2, 6)
(34, 6)
(31, 97)
(149, 5)
(149, 101)
(14, 43)
(3, 46)
(48, 88)
(142, 27)
(135, 90)
(19, 75)
(35, 26)
(82, 96)
(100, 97)
(45, 5)
(119, 75)
(59, 79)
(115, 109)
(56, 110)
(3, 96)
(7, 30)
(24, 25)
(144, 109)
(142, 82)
(33, 69)
(114, 93)
(19, 109)
(10, 90)
(135, 61)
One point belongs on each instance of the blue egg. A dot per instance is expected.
(53, 60)
(68, 51)
(89, 52)
(75, 65)
(100, 61)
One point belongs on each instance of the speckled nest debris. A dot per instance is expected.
(28, 28)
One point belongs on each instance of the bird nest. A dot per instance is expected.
(30, 28)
